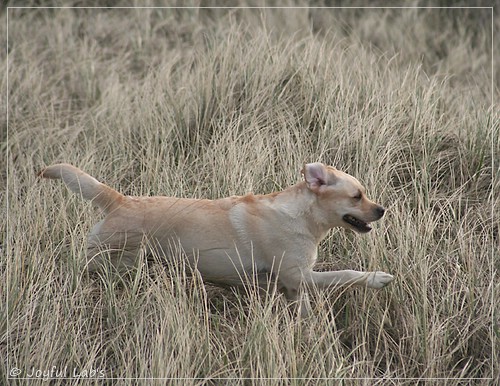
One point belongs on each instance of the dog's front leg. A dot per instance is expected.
(300, 298)
(348, 277)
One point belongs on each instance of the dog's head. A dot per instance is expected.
(341, 198)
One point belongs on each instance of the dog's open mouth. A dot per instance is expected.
(357, 224)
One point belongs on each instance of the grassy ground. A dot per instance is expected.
(214, 102)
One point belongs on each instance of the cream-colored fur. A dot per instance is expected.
(273, 236)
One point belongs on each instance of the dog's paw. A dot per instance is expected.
(378, 279)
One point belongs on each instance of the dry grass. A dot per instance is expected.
(213, 102)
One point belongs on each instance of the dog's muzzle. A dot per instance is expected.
(360, 225)
(357, 224)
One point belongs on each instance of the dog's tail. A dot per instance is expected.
(78, 181)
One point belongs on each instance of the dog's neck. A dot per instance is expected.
(298, 203)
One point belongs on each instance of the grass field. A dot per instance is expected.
(214, 102)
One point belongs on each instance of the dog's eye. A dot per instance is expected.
(357, 197)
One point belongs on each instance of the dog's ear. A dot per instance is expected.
(315, 175)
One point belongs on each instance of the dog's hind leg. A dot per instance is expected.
(120, 249)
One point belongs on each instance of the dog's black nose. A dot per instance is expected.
(380, 211)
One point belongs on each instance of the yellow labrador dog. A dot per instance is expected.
(273, 236)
